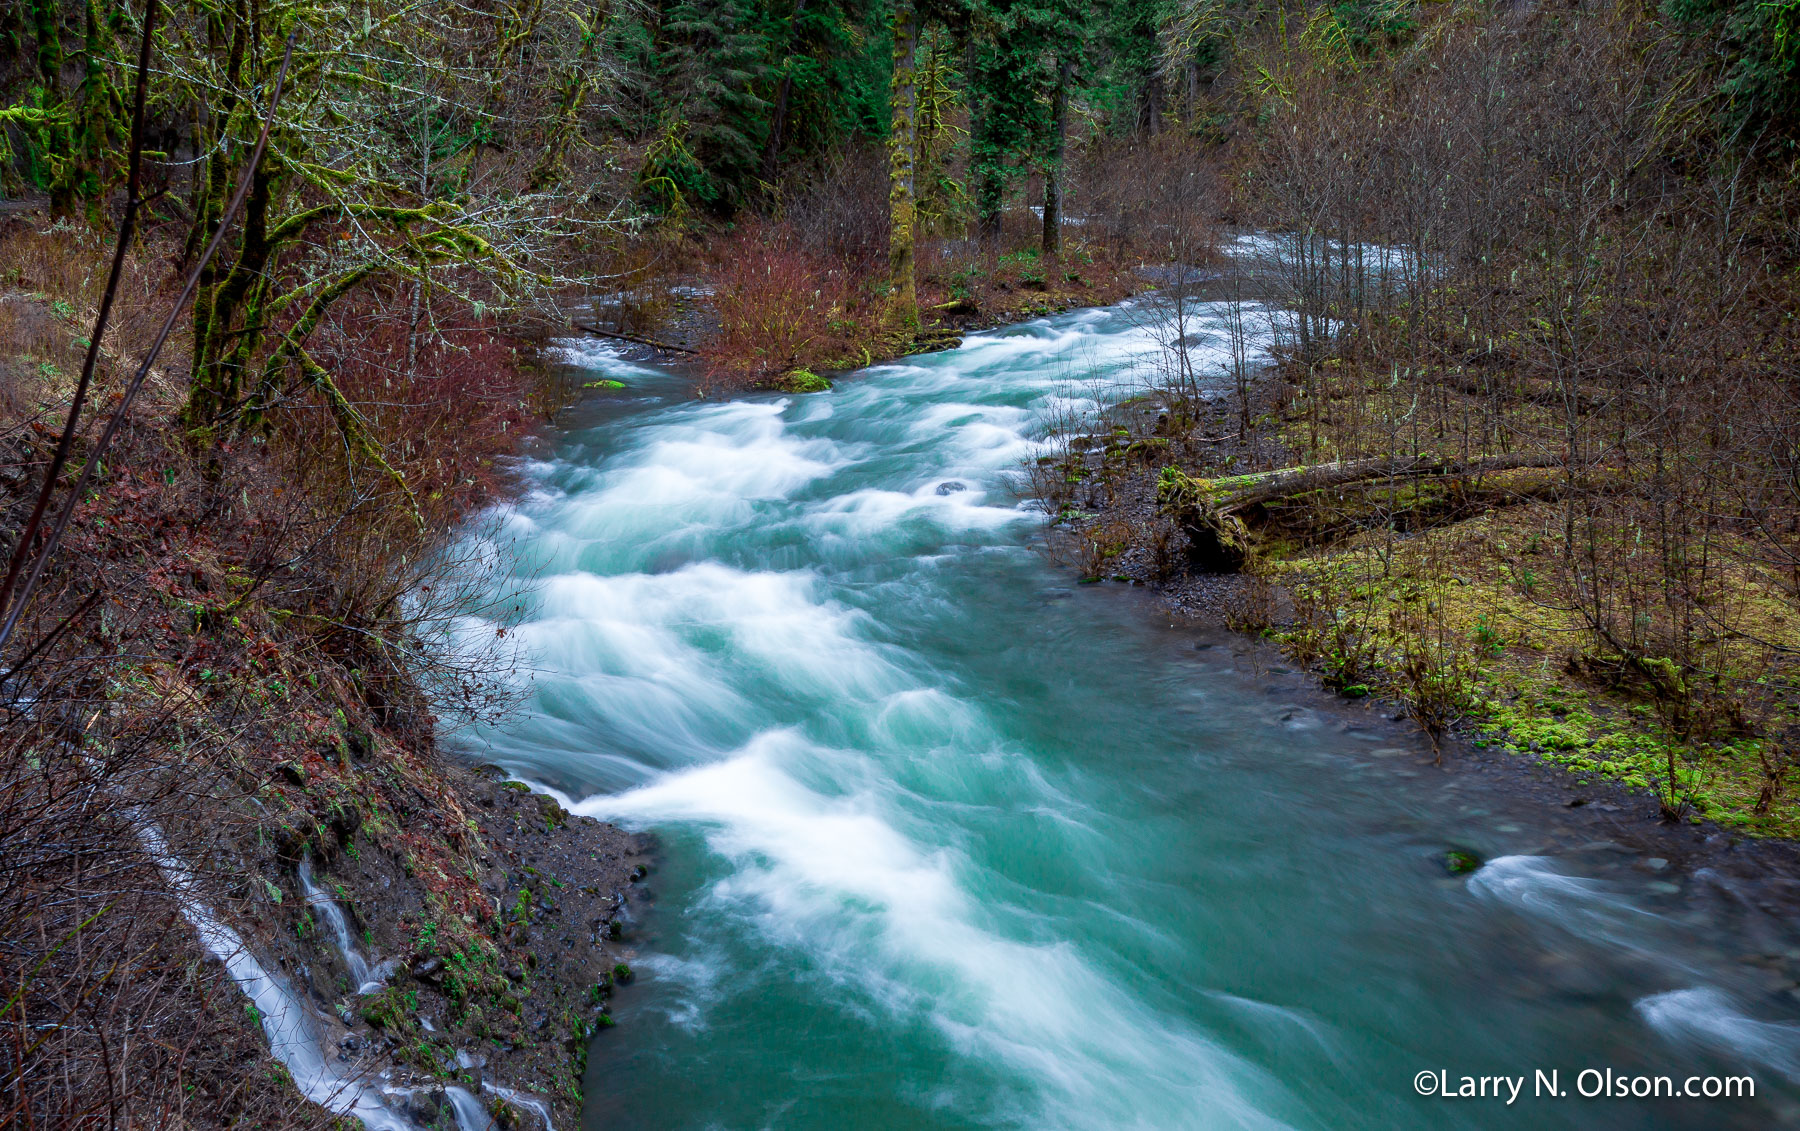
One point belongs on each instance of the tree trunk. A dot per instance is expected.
(57, 137)
(783, 94)
(902, 205)
(97, 127)
(1053, 169)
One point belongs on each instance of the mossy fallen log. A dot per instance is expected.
(1217, 514)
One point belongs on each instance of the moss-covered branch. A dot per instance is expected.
(355, 430)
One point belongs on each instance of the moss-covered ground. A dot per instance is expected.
(1498, 610)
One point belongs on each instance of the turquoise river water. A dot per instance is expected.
(949, 841)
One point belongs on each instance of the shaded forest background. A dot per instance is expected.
(1535, 395)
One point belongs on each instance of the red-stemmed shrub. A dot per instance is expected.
(782, 307)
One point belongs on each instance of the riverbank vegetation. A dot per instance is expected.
(269, 287)
(1525, 462)
(273, 282)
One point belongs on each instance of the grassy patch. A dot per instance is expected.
(1494, 591)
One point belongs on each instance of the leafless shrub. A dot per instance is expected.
(1252, 606)
(1097, 546)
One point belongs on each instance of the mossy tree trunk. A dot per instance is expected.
(102, 122)
(902, 136)
(52, 157)
(71, 133)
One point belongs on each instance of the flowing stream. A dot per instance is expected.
(367, 979)
(950, 841)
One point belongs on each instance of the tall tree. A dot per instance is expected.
(1051, 243)
(716, 58)
(1022, 74)
(902, 139)
(1006, 110)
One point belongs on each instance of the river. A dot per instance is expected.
(948, 840)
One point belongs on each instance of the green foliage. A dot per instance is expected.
(726, 91)
(1757, 47)
(716, 67)
(392, 1011)
(1128, 39)
(803, 381)
(1008, 104)
(1362, 26)
(1487, 638)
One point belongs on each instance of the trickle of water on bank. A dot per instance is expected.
(949, 845)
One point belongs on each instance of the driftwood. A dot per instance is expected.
(669, 347)
(1213, 512)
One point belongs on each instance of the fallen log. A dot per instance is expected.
(1212, 511)
(1239, 492)
(669, 347)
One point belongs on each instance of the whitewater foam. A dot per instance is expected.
(1709, 1017)
(833, 875)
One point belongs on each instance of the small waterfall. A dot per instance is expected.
(366, 978)
(468, 1110)
(519, 1099)
(291, 1026)
(288, 1024)
(464, 1107)
(470, 1115)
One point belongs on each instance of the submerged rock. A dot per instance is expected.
(1460, 861)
